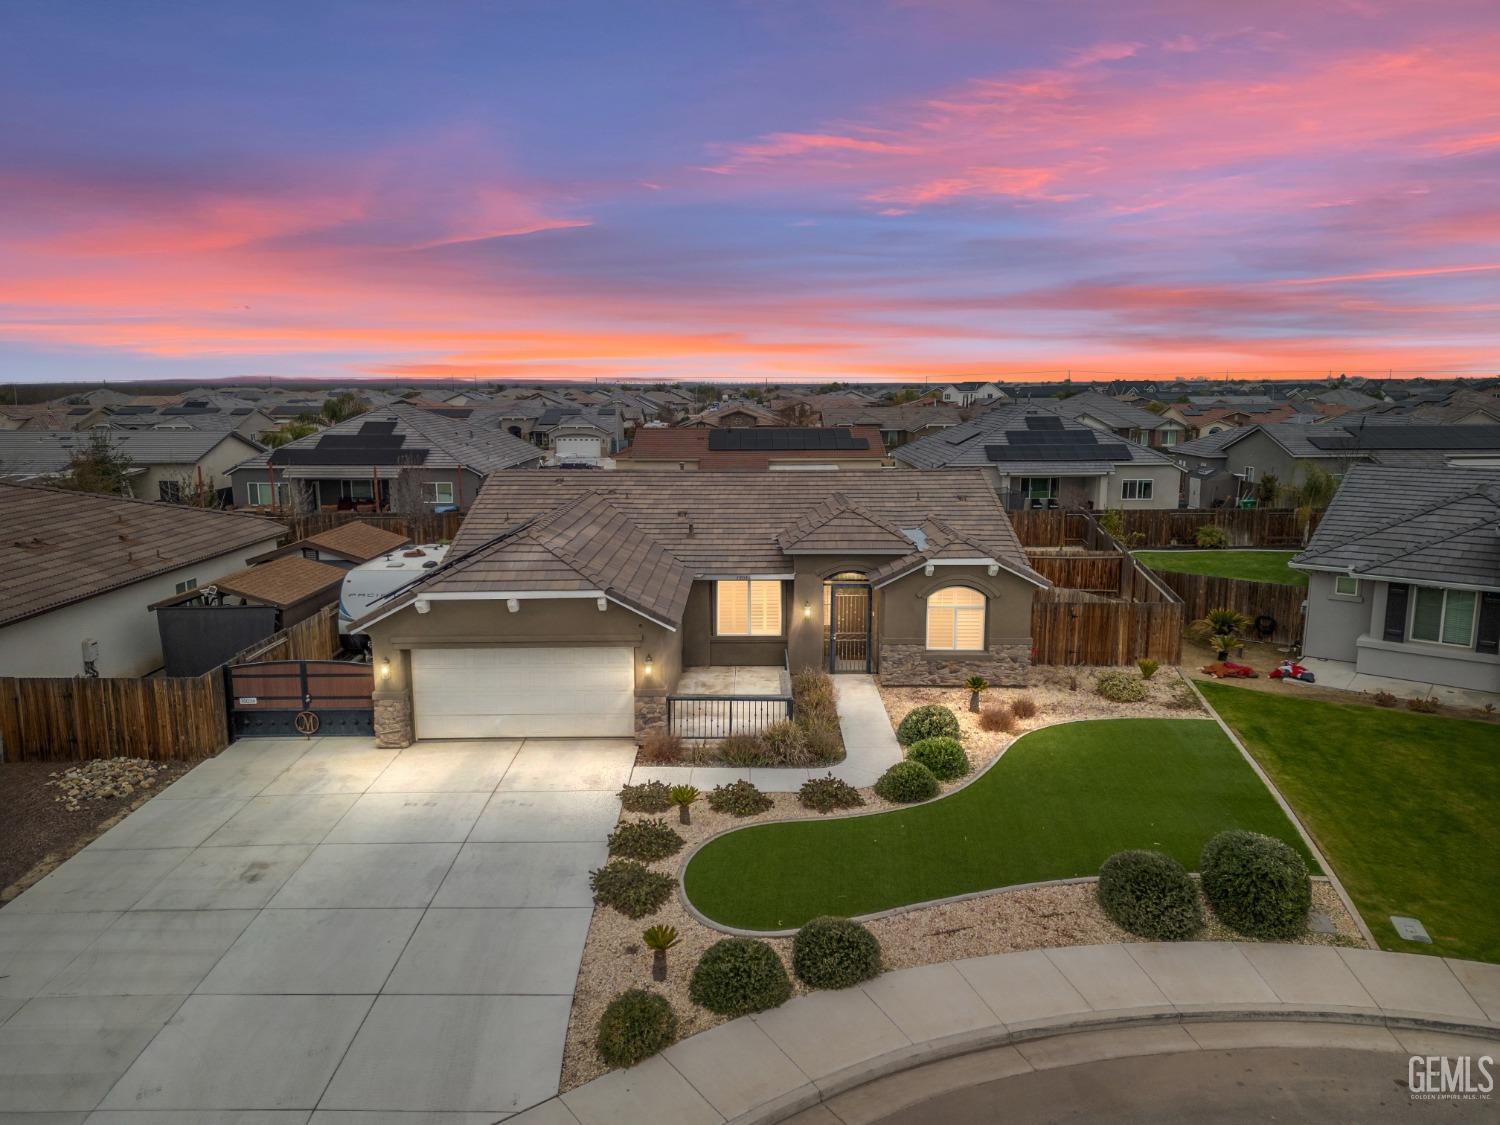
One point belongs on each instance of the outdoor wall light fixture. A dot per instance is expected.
(385, 668)
(648, 664)
(513, 604)
(807, 611)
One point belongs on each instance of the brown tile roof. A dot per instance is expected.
(836, 525)
(58, 547)
(284, 582)
(356, 541)
(690, 443)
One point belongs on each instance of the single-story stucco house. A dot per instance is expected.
(571, 603)
(1404, 576)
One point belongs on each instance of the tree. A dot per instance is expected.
(341, 407)
(1313, 494)
(406, 493)
(796, 413)
(1267, 491)
(299, 427)
(99, 467)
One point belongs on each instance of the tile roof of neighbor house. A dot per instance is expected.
(58, 546)
(906, 417)
(1358, 438)
(691, 443)
(436, 442)
(33, 453)
(1112, 412)
(356, 541)
(283, 582)
(967, 444)
(644, 537)
(1426, 525)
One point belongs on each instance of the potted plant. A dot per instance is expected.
(683, 797)
(659, 939)
(975, 684)
(1223, 628)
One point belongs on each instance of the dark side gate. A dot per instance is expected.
(285, 698)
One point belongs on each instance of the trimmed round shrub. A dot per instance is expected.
(835, 953)
(932, 721)
(1151, 895)
(824, 794)
(636, 1025)
(739, 799)
(645, 839)
(738, 976)
(945, 757)
(1256, 884)
(906, 783)
(631, 888)
(1121, 687)
(649, 796)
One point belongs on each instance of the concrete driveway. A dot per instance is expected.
(318, 930)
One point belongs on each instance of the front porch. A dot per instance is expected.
(716, 701)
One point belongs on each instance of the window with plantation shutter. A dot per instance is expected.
(747, 608)
(955, 620)
(1443, 616)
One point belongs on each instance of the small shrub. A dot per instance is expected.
(813, 688)
(824, 794)
(1385, 699)
(906, 783)
(1212, 536)
(743, 750)
(835, 953)
(823, 739)
(1256, 884)
(659, 939)
(1024, 707)
(739, 799)
(997, 718)
(945, 757)
(646, 840)
(636, 1025)
(1121, 687)
(649, 796)
(1147, 666)
(660, 745)
(737, 976)
(932, 721)
(631, 888)
(1151, 895)
(1422, 706)
(785, 743)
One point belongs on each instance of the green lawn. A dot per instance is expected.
(1252, 566)
(1057, 805)
(1406, 807)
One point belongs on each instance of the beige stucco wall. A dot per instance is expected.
(1007, 616)
(1166, 486)
(215, 465)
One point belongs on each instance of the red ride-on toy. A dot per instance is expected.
(1228, 670)
(1287, 670)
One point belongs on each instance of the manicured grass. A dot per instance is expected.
(1059, 803)
(1406, 808)
(1252, 566)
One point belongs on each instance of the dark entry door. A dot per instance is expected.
(849, 628)
(285, 698)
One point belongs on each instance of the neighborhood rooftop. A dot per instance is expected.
(30, 453)
(1026, 438)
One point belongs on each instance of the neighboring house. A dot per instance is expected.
(194, 414)
(353, 466)
(1404, 576)
(79, 571)
(1462, 408)
(580, 441)
(897, 424)
(754, 449)
(165, 464)
(1133, 423)
(571, 602)
(344, 546)
(589, 431)
(49, 416)
(734, 415)
(967, 394)
(1035, 458)
(1208, 419)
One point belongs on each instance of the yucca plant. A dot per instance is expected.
(975, 684)
(1222, 627)
(659, 939)
(683, 797)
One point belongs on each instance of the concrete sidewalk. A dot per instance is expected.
(1037, 1010)
(870, 749)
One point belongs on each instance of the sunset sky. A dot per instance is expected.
(850, 189)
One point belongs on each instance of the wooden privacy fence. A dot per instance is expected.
(1096, 572)
(162, 717)
(1148, 527)
(1075, 627)
(1202, 592)
(428, 528)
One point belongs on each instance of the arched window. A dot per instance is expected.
(955, 619)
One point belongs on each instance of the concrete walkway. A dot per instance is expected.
(314, 930)
(870, 747)
(822, 1057)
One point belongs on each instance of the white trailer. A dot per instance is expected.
(367, 583)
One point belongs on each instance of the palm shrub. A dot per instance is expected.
(824, 794)
(1258, 885)
(630, 887)
(1147, 666)
(930, 721)
(907, 782)
(737, 976)
(636, 1025)
(1151, 895)
(1222, 627)
(945, 757)
(835, 953)
(1120, 686)
(649, 796)
(683, 797)
(647, 840)
(975, 684)
(659, 939)
(740, 798)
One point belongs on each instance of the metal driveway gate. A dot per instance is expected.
(285, 698)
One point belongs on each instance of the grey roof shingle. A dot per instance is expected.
(965, 445)
(48, 452)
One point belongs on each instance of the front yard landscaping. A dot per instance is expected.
(1060, 801)
(1403, 805)
(1250, 566)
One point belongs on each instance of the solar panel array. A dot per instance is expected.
(375, 443)
(1043, 422)
(1483, 437)
(1046, 442)
(775, 439)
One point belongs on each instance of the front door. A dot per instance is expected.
(849, 627)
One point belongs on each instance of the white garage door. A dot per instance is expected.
(509, 692)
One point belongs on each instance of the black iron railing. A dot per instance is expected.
(719, 716)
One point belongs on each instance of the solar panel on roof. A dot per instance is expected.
(775, 439)
(1093, 451)
(348, 455)
(1043, 422)
(1409, 437)
(77, 410)
(243, 410)
(378, 427)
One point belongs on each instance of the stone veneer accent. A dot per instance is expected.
(914, 666)
(650, 711)
(393, 721)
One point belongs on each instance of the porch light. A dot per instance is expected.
(807, 611)
(648, 665)
(385, 668)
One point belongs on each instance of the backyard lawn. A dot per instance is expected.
(1252, 566)
(1057, 805)
(1404, 806)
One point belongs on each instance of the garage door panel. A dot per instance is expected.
(518, 692)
